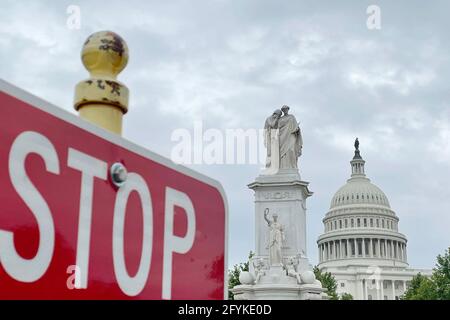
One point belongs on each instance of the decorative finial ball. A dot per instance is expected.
(308, 277)
(105, 53)
(246, 277)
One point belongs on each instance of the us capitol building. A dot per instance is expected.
(361, 245)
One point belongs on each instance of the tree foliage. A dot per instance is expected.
(441, 276)
(420, 288)
(346, 296)
(328, 282)
(437, 287)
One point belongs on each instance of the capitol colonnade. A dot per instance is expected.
(365, 247)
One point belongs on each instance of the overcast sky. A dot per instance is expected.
(231, 63)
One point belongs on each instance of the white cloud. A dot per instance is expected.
(402, 81)
(440, 143)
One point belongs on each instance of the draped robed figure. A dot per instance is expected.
(276, 239)
(283, 141)
(290, 140)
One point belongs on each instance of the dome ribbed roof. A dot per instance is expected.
(359, 191)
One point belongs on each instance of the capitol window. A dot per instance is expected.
(342, 285)
(371, 222)
(358, 222)
(365, 222)
(340, 224)
(346, 223)
(353, 223)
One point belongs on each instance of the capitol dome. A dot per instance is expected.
(360, 227)
(361, 245)
(359, 190)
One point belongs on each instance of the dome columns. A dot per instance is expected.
(357, 163)
(362, 247)
(358, 168)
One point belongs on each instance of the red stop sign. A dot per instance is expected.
(67, 232)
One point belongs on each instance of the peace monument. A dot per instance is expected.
(280, 268)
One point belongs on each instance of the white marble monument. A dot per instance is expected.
(280, 268)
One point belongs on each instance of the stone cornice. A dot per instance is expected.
(386, 272)
(360, 215)
(276, 183)
(360, 209)
(368, 233)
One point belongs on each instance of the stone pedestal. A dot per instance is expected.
(283, 194)
(279, 291)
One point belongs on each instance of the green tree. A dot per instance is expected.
(233, 275)
(346, 296)
(437, 287)
(441, 276)
(420, 288)
(328, 282)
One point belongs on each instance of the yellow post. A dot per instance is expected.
(101, 99)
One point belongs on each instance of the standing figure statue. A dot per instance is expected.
(283, 141)
(271, 142)
(291, 142)
(276, 239)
